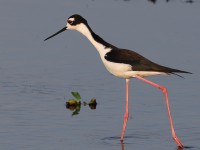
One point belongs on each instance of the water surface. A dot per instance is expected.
(37, 77)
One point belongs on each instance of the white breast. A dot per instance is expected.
(117, 69)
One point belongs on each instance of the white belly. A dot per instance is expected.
(117, 69)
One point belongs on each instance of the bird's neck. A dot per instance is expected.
(96, 40)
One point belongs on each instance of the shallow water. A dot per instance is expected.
(37, 77)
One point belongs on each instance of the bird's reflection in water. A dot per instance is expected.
(116, 141)
(178, 148)
(122, 145)
(186, 1)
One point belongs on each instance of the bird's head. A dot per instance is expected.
(74, 22)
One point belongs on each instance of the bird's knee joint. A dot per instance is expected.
(126, 116)
(164, 89)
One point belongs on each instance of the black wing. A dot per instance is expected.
(137, 61)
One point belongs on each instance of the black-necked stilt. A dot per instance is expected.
(123, 63)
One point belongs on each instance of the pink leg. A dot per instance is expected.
(164, 90)
(126, 114)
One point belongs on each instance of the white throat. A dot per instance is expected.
(102, 49)
(82, 28)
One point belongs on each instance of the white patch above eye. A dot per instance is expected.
(69, 22)
(71, 19)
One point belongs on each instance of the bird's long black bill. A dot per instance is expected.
(63, 29)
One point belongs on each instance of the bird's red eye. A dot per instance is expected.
(70, 22)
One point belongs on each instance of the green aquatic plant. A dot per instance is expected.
(74, 104)
(76, 95)
(76, 101)
(93, 103)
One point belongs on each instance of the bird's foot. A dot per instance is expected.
(178, 141)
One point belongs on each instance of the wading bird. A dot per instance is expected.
(125, 64)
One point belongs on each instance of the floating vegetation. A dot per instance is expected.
(74, 104)
(92, 104)
(76, 101)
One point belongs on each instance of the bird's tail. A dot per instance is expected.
(176, 71)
